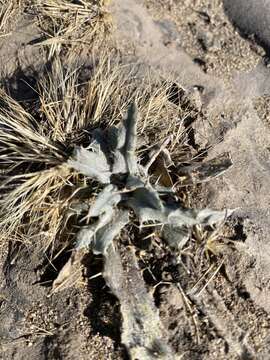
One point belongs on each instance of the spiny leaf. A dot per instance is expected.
(106, 200)
(125, 160)
(104, 237)
(129, 149)
(191, 217)
(101, 234)
(146, 204)
(91, 163)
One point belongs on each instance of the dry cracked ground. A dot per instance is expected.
(218, 52)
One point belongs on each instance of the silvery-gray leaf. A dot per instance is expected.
(105, 235)
(126, 144)
(147, 205)
(176, 236)
(100, 141)
(129, 148)
(121, 134)
(91, 163)
(99, 235)
(105, 201)
(85, 237)
(134, 182)
(115, 137)
(119, 163)
(190, 217)
(211, 217)
(182, 217)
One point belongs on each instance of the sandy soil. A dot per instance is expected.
(217, 51)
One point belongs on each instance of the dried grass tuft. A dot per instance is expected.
(7, 11)
(68, 23)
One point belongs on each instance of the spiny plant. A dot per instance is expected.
(111, 159)
(84, 160)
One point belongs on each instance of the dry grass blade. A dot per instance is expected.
(21, 137)
(60, 102)
(205, 280)
(7, 11)
(32, 177)
(110, 92)
(70, 23)
(33, 197)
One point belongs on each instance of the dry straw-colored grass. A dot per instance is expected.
(67, 24)
(38, 190)
(8, 9)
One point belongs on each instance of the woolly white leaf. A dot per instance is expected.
(91, 163)
(211, 217)
(119, 163)
(107, 199)
(125, 160)
(129, 149)
(108, 232)
(190, 217)
(101, 234)
(134, 182)
(85, 237)
(146, 204)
